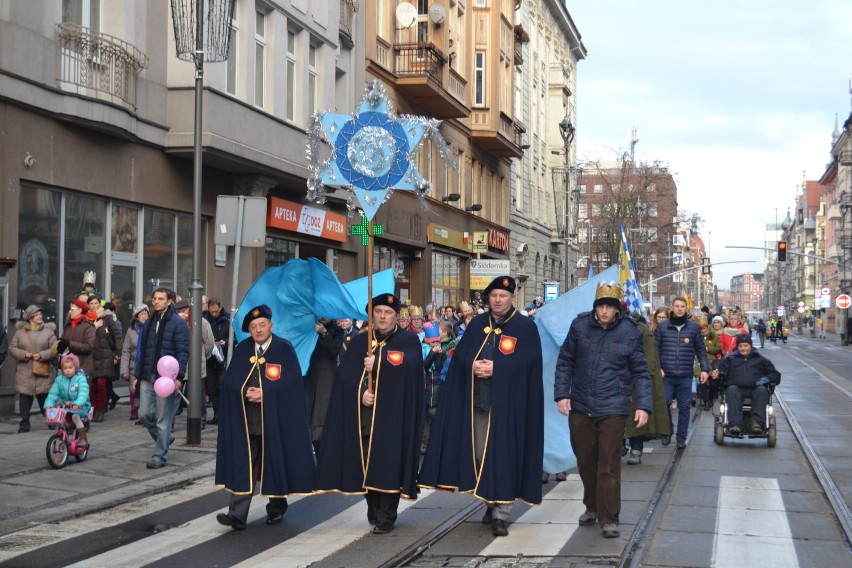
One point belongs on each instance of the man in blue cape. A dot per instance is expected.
(264, 434)
(371, 439)
(488, 435)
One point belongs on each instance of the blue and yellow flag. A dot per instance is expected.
(627, 278)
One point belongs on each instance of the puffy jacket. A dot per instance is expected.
(81, 342)
(679, 348)
(103, 354)
(599, 368)
(744, 372)
(40, 340)
(74, 390)
(128, 350)
(172, 338)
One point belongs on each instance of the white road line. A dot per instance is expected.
(749, 537)
(321, 541)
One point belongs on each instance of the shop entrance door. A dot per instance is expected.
(123, 291)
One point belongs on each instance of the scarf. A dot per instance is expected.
(677, 321)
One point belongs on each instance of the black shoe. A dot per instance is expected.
(756, 428)
(681, 444)
(498, 528)
(231, 521)
(667, 440)
(24, 427)
(214, 420)
(735, 430)
(113, 401)
(487, 517)
(274, 519)
(382, 529)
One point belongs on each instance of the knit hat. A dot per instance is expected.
(30, 312)
(744, 338)
(70, 358)
(608, 295)
(140, 308)
(719, 319)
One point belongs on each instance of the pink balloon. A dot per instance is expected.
(168, 366)
(164, 386)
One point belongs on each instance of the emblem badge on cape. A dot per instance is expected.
(507, 344)
(395, 358)
(273, 371)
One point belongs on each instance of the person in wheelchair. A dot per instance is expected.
(746, 373)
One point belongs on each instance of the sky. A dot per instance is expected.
(738, 98)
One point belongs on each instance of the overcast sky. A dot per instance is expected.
(739, 99)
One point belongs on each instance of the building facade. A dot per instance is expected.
(97, 153)
(747, 291)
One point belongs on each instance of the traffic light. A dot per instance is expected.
(782, 250)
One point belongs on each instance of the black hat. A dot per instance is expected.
(182, 304)
(501, 283)
(261, 311)
(388, 300)
(744, 338)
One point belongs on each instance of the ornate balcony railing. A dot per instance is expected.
(97, 64)
(347, 15)
(421, 58)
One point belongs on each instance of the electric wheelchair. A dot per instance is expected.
(722, 428)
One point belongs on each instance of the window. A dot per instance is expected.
(84, 13)
(312, 82)
(259, 58)
(291, 76)
(652, 210)
(583, 211)
(422, 21)
(596, 210)
(598, 188)
(652, 187)
(651, 261)
(479, 78)
(582, 188)
(446, 279)
(481, 4)
(233, 54)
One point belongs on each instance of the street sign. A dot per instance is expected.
(801, 309)
(826, 291)
(843, 301)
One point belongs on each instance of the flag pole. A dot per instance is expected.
(370, 301)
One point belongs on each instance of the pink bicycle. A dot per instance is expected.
(64, 442)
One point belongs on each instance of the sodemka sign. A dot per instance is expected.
(483, 271)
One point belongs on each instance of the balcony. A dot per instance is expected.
(420, 70)
(347, 16)
(98, 65)
(505, 141)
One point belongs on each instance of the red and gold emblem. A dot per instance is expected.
(390, 299)
(273, 371)
(507, 344)
(255, 313)
(396, 358)
(686, 340)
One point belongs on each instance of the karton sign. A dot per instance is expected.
(483, 271)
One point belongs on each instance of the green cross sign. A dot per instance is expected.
(363, 229)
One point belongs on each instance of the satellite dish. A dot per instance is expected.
(437, 14)
(406, 15)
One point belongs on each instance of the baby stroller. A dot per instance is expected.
(64, 442)
(722, 428)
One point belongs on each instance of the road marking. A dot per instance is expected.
(749, 537)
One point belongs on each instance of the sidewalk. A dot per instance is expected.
(34, 493)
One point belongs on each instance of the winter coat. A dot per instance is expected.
(433, 364)
(321, 371)
(103, 355)
(729, 337)
(172, 338)
(74, 390)
(679, 348)
(28, 340)
(4, 344)
(207, 342)
(658, 421)
(81, 342)
(744, 372)
(128, 351)
(221, 328)
(599, 368)
(713, 345)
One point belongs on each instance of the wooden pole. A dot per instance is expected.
(370, 301)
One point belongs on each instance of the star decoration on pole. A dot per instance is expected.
(372, 151)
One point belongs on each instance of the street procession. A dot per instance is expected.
(384, 284)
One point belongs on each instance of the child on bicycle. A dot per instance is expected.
(71, 389)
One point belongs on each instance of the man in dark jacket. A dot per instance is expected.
(679, 342)
(747, 374)
(165, 333)
(600, 366)
(220, 323)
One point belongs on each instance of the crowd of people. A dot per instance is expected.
(439, 397)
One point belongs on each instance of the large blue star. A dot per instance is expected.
(371, 151)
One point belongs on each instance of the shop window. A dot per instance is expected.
(38, 257)
(446, 279)
(84, 242)
(279, 251)
(158, 251)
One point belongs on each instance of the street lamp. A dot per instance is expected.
(588, 237)
(202, 28)
(566, 132)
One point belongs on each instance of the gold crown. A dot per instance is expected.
(611, 290)
(403, 313)
(416, 311)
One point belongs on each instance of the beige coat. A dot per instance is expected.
(27, 340)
